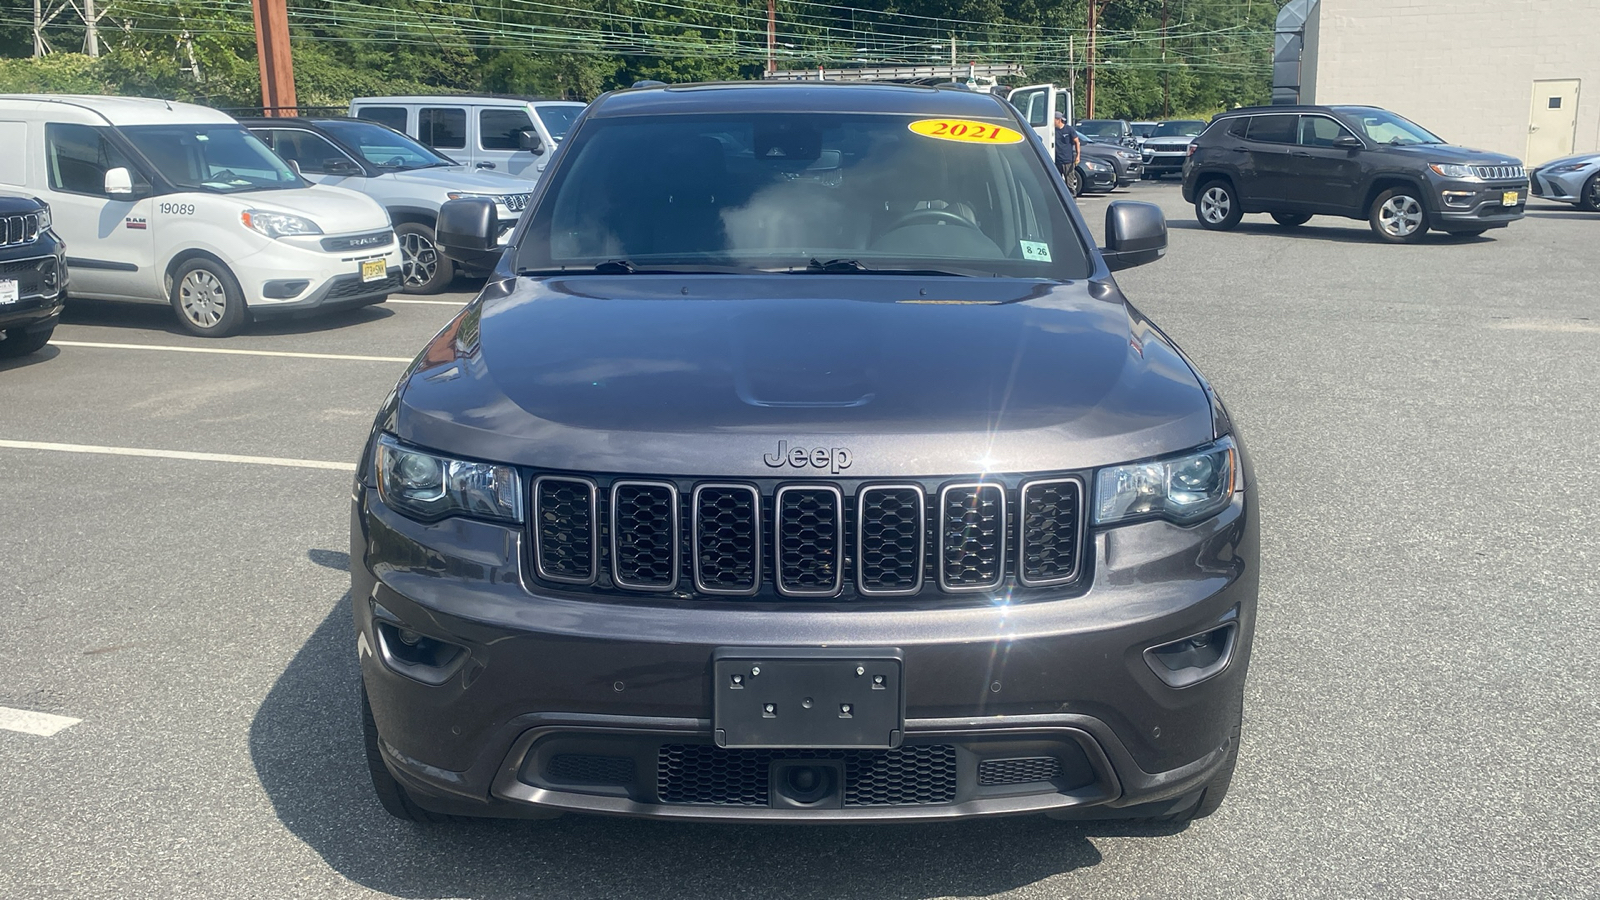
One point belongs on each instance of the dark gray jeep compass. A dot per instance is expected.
(802, 461)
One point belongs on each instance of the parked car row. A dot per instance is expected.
(230, 221)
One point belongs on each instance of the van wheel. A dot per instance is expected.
(207, 299)
(391, 793)
(1217, 206)
(1397, 216)
(423, 269)
(1291, 220)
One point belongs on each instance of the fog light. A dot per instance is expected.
(1193, 659)
(1457, 198)
(413, 654)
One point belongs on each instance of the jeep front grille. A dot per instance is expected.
(23, 229)
(1499, 172)
(772, 539)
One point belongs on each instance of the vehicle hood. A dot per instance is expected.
(336, 210)
(1104, 151)
(1587, 158)
(705, 375)
(463, 178)
(1174, 142)
(1450, 153)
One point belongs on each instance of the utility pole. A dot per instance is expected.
(272, 53)
(40, 48)
(1072, 79)
(1095, 8)
(1166, 73)
(91, 29)
(772, 35)
(952, 54)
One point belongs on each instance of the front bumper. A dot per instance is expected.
(1164, 163)
(1471, 205)
(1099, 180)
(566, 703)
(1564, 188)
(297, 275)
(41, 288)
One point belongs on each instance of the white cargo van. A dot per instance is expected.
(174, 203)
(515, 135)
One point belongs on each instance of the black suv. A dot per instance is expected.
(803, 461)
(1360, 162)
(33, 275)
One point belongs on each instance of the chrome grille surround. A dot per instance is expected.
(625, 497)
(795, 573)
(891, 533)
(516, 202)
(19, 229)
(1029, 525)
(552, 541)
(1499, 172)
(967, 532)
(728, 541)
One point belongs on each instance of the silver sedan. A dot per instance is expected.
(1570, 179)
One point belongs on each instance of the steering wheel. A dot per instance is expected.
(395, 163)
(933, 215)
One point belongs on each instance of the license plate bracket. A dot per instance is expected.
(9, 292)
(807, 698)
(374, 270)
(1509, 198)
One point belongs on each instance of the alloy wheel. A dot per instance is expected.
(1215, 204)
(419, 259)
(1400, 215)
(202, 298)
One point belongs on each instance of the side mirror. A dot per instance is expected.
(468, 227)
(1348, 142)
(338, 165)
(119, 185)
(528, 139)
(1136, 233)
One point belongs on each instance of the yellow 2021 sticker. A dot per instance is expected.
(965, 131)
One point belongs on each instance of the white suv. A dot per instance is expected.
(515, 135)
(173, 203)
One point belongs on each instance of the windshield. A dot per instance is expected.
(1183, 128)
(806, 192)
(1384, 127)
(384, 147)
(1100, 128)
(558, 119)
(1143, 129)
(223, 159)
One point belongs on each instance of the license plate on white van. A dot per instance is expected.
(8, 291)
(374, 270)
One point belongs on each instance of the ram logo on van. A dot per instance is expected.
(831, 458)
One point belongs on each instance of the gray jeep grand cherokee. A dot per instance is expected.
(803, 461)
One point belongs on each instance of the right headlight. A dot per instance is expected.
(1452, 170)
(427, 486)
(1095, 165)
(1184, 488)
(277, 224)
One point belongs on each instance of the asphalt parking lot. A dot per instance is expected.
(1421, 714)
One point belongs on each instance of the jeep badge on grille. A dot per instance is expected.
(831, 458)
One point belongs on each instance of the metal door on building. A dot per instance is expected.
(1552, 120)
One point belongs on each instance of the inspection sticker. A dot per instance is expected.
(966, 131)
(1035, 250)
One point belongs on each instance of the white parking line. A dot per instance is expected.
(430, 302)
(38, 723)
(232, 351)
(1536, 325)
(181, 454)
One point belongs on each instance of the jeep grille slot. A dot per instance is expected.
(566, 529)
(972, 537)
(727, 539)
(1047, 543)
(23, 229)
(889, 540)
(644, 535)
(809, 529)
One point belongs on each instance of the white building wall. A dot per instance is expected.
(1463, 69)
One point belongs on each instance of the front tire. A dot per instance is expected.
(423, 269)
(1075, 182)
(1217, 206)
(1216, 789)
(1398, 216)
(1291, 220)
(391, 793)
(1590, 198)
(207, 299)
(22, 342)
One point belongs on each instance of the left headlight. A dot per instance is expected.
(1452, 170)
(428, 486)
(45, 221)
(1570, 167)
(1094, 165)
(1184, 488)
(277, 224)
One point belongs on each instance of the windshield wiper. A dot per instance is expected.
(854, 267)
(625, 267)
